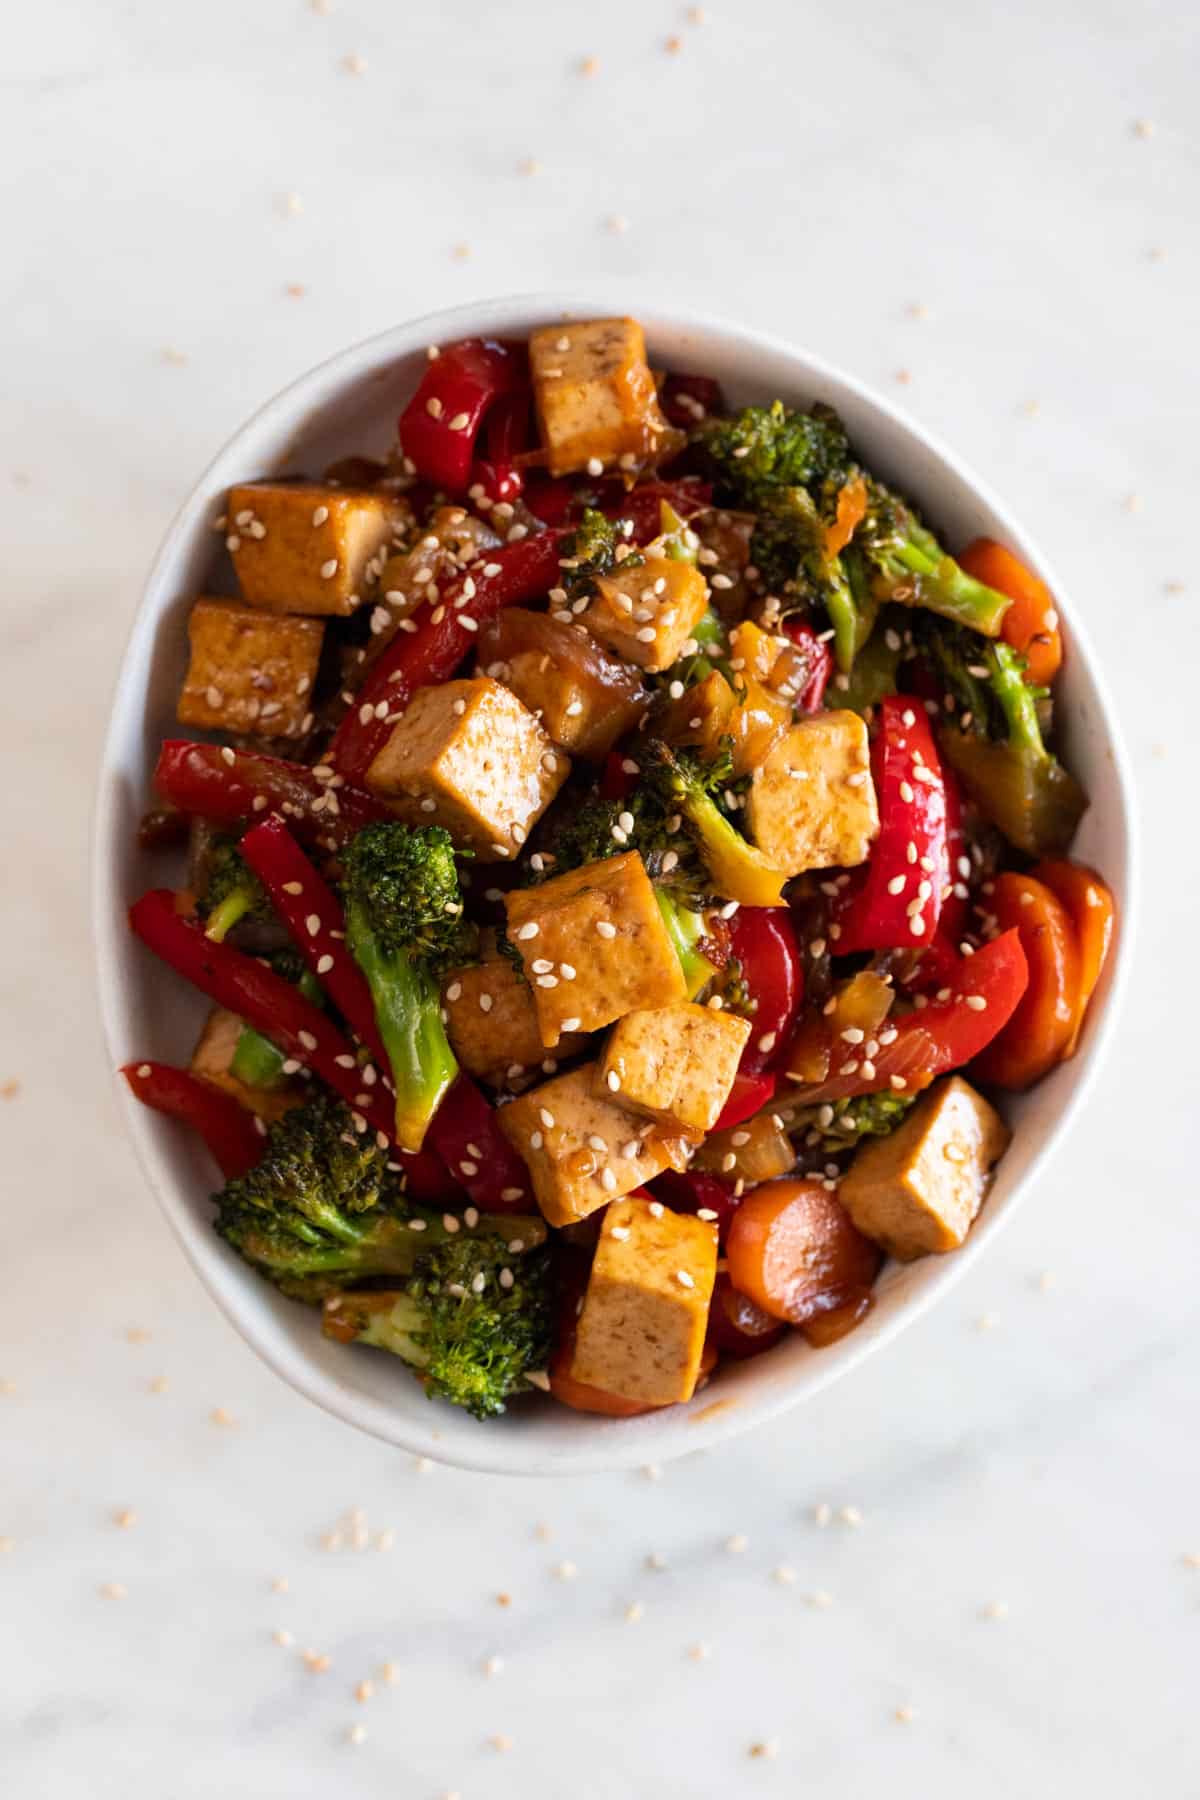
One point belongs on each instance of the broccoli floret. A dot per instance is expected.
(592, 551)
(232, 891)
(995, 741)
(911, 566)
(474, 1319)
(841, 1126)
(789, 547)
(764, 449)
(685, 785)
(404, 926)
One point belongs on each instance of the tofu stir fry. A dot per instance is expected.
(627, 866)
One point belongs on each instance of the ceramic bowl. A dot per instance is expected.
(350, 404)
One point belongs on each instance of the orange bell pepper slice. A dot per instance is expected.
(1030, 624)
(1092, 908)
(1046, 1020)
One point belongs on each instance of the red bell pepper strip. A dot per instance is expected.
(444, 635)
(957, 902)
(643, 504)
(265, 1000)
(811, 694)
(439, 425)
(550, 498)
(895, 900)
(464, 1133)
(230, 787)
(232, 1134)
(763, 939)
(748, 1095)
(616, 781)
(304, 900)
(692, 1191)
(940, 1036)
(506, 432)
(687, 400)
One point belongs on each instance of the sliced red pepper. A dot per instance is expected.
(687, 400)
(616, 781)
(763, 939)
(820, 663)
(506, 434)
(231, 1133)
(231, 787)
(936, 1038)
(957, 902)
(439, 425)
(693, 1191)
(748, 1095)
(264, 1000)
(313, 915)
(643, 504)
(432, 652)
(908, 861)
(465, 1134)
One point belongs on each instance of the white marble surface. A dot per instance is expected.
(824, 171)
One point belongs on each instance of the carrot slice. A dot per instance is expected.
(1031, 623)
(1092, 908)
(1047, 1016)
(851, 511)
(795, 1252)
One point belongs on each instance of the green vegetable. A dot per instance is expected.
(231, 891)
(684, 784)
(847, 1122)
(912, 566)
(686, 930)
(255, 1059)
(592, 551)
(995, 743)
(875, 667)
(473, 1339)
(404, 927)
(764, 449)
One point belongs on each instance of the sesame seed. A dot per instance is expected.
(737, 1543)
(486, 1003)
(536, 1140)
(283, 1638)
(656, 1209)
(699, 1652)
(976, 1002)
(683, 1277)
(570, 1024)
(566, 1571)
(595, 466)
(769, 1747)
(606, 928)
(111, 1590)
(822, 1512)
(329, 568)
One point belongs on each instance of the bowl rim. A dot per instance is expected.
(602, 1445)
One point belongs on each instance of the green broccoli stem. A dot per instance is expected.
(686, 929)
(225, 915)
(943, 587)
(844, 615)
(1018, 701)
(408, 1013)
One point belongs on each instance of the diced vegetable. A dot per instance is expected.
(1047, 1020)
(795, 1252)
(439, 425)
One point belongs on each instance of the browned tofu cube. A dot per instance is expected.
(492, 1023)
(582, 1150)
(211, 1059)
(595, 394)
(594, 946)
(920, 1188)
(647, 613)
(645, 1313)
(467, 755)
(812, 804)
(301, 547)
(249, 672)
(675, 1063)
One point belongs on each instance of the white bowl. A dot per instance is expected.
(348, 404)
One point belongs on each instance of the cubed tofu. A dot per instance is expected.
(711, 714)
(469, 756)
(301, 547)
(578, 715)
(595, 394)
(249, 672)
(211, 1059)
(594, 946)
(647, 613)
(645, 1312)
(812, 804)
(675, 1063)
(492, 1023)
(920, 1188)
(581, 1150)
